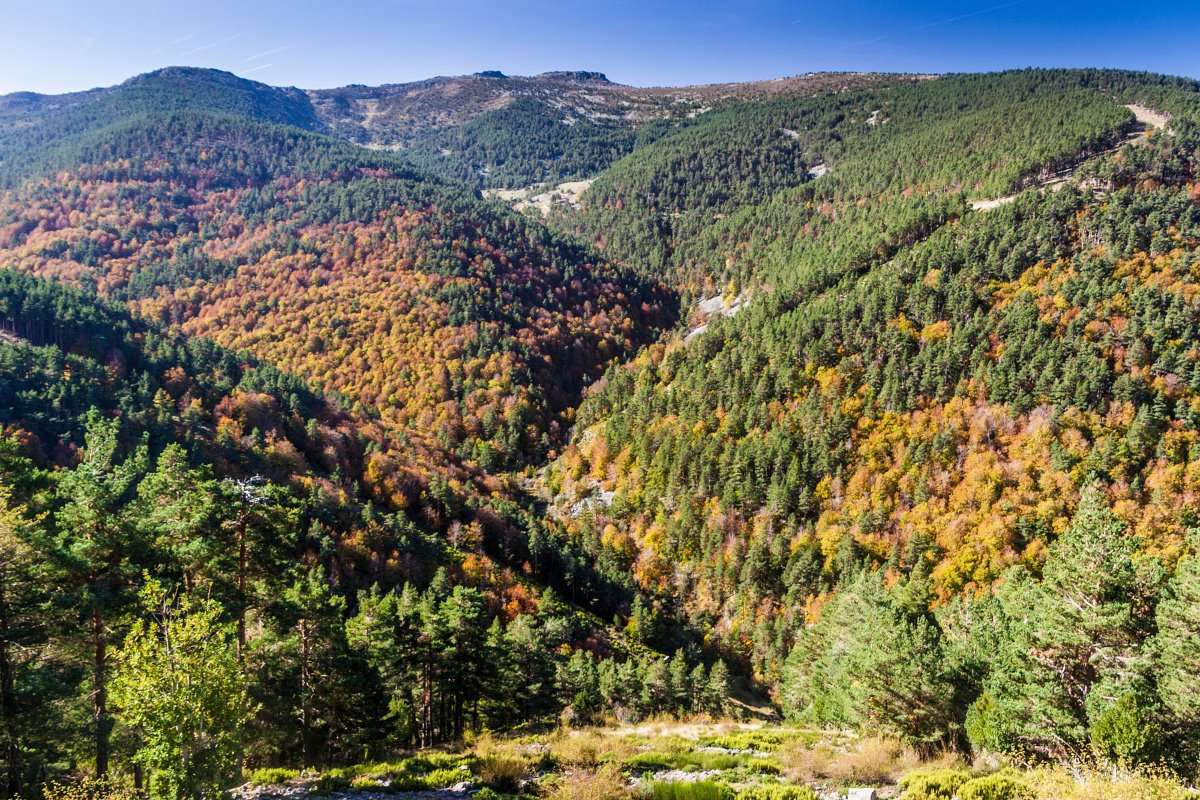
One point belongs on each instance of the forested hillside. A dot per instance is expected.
(881, 392)
(425, 306)
(907, 406)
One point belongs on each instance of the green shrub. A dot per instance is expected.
(693, 760)
(767, 741)
(331, 782)
(689, 790)
(441, 778)
(985, 726)
(1003, 785)
(933, 784)
(1125, 733)
(776, 791)
(363, 783)
(273, 776)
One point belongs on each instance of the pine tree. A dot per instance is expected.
(28, 622)
(1177, 645)
(716, 692)
(102, 546)
(1076, 637)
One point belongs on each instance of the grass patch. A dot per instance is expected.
(776, 791)
(689, 790)
(273, 776)
(761, 740)
(700, 761)
(603, 783)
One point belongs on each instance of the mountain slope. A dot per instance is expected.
(426, 306)
(904, 382)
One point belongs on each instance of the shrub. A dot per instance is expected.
(362, 783)
(89, 789)
(776, 791)
(874, 760)
(502, 773)
(441, 778)
(985, 726)
(273, 776)
(933, 784)
(1003, 785)
(689, 790)
(1059, 783)
(331, 782)
(605, 783)
(1125, 733)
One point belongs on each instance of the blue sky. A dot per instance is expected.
(58, 45)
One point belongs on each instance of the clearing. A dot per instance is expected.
(541, 198)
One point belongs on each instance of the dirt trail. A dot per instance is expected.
(1147, 119)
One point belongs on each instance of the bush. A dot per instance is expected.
(605, 783)
(365, 784)
(1003, 785)
(273, 776)
(874, 760)
(502, 773)
(689, 790)
(933, 784)
(1125, 733)
(331, 782)
(89, 789)
(441, 778)
(776, 791)
(985, 726)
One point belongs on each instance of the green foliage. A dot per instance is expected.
(689, 790)
(1002, 785)
(868, 663)
(1176, 644)
(180, 688)
(933, 784)
(273, 776)
(1126, 732)
(776, 791)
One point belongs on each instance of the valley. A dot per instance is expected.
(497, 436)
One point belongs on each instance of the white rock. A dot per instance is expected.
(861, 793)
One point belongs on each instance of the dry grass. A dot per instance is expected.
(872, 761)
(604, 783)
(500, 765)
(589, 747)
(1090, 783)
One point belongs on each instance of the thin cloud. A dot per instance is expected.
(270, 52)
(256, 69)
(183, 39)
(935, 23)
(968, 15)
(210, 45)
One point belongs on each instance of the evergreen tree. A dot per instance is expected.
(102, 547)
(1177, 645)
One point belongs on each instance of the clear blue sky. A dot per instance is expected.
(64, 45)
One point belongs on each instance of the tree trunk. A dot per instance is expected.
(305, 692)
(100, 693)
(241, 587)
(8, 696)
